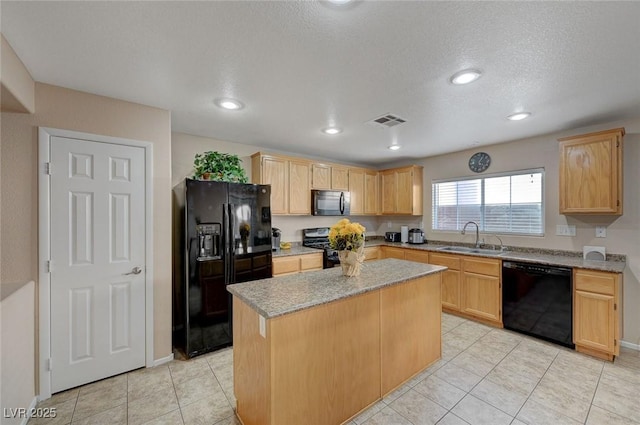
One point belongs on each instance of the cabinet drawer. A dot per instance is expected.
(591, 281)
(482, 266)
(371, 253)
(391, 252)
(285, 265)
(417, 256)
(445, 260)
(311, 262)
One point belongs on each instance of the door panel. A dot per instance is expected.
(97, 238)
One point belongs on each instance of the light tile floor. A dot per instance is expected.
(486, 376)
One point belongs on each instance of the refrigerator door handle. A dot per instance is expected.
(232, 244)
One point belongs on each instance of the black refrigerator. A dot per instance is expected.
(227, 241)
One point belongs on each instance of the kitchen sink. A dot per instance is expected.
(470, 250)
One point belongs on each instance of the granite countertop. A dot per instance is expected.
(286, 294)
(541, 256)
(614, 263)
(296, 249)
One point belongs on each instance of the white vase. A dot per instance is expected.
(351, 261)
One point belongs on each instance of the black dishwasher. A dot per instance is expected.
(537, 301)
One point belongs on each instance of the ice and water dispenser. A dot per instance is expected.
(209, 240)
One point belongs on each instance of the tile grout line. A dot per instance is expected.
(222, 389)
(175, 392)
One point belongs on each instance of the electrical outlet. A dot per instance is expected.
(565, 230)
(389, 224)
(601, 232)
(422, 224)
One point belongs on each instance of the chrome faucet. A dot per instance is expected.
(477, 231)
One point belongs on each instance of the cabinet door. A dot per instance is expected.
(391, 252)
(591, 174)
(481, 296)
(339, 178)
(371, 253)
(596, 294)
(404, 191)
(274, 172)
(594, 321)
(286, 265)
(356, 188)
(388, 182)
(310, 262)
(320, 176)
(417, 256)
(451, 289)
(299, 192)
(370, 193)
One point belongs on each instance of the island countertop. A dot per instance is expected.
(285, 294)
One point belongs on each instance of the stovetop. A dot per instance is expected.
(318, 237)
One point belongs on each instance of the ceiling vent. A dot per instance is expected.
(388, 121)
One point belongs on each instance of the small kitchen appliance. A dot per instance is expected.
(275, 239)
(392, 236)
(404, 234)
(330, 202)
(416, 236)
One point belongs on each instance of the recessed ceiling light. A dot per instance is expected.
(519, 116)
(339, 2)
(332, 130)
(230, 104)
(394, 147)
(465, 77)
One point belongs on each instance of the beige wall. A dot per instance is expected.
(623, 233)
(58, 107)
(17, 86)
(18, 351)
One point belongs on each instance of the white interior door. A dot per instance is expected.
(97, 260)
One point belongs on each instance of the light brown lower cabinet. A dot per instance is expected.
(450, 280)
(296, 263)
(597, 313)
(308, 368)
(416, 255)
(392, 252)
(371, 253)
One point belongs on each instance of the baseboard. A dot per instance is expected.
(626, 344)
(32, 406)
(163, 360)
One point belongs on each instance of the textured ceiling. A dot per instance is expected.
(301, 66)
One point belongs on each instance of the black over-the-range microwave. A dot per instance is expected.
(330, 202)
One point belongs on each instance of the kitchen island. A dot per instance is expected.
(319, 347)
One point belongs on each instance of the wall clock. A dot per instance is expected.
(479, 162)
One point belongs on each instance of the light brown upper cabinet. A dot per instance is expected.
(402, 190)
(591, 173)
(320, 176)
(339, 178)
(356, 188)
(289, 180)
(329, 177)
(371, 192)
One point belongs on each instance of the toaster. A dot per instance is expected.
(392, 236)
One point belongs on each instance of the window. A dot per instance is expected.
(499, 203)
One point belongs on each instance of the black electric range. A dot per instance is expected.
(318, 237)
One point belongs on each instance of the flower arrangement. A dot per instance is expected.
(348, 239)
(345, 235)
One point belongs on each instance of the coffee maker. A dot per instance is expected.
(275, 239)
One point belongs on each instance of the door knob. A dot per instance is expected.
(135, 270)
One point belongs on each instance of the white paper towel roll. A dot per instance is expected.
(404, 234)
